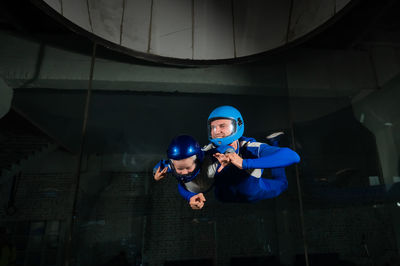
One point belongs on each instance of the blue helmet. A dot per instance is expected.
(237, 124)
(182, 147)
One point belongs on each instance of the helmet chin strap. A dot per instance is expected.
(226, 149)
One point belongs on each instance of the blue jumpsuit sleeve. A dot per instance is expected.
(185, 193)
(271, 157)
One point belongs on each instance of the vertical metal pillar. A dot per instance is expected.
(303, 230)
(72, 220)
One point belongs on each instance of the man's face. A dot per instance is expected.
(185, 166)
(221, 128)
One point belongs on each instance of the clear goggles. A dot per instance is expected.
(221, 127)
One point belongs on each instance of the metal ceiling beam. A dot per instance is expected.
(27, 64)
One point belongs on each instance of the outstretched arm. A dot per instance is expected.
(186, 194)
(271, 157)
(196, 200)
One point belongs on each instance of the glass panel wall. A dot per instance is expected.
(77, 181)
(40, 137)
(348, 177)
(127, 215)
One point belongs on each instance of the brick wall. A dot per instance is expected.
(117, 213)
(218, 232)
(351, 231)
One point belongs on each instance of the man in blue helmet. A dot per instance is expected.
(242, 160)
(187, 162)
(238, 166)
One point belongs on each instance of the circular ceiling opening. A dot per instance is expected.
(194, 31)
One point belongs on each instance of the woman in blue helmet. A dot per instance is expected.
(187, 162)
(242, 160)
